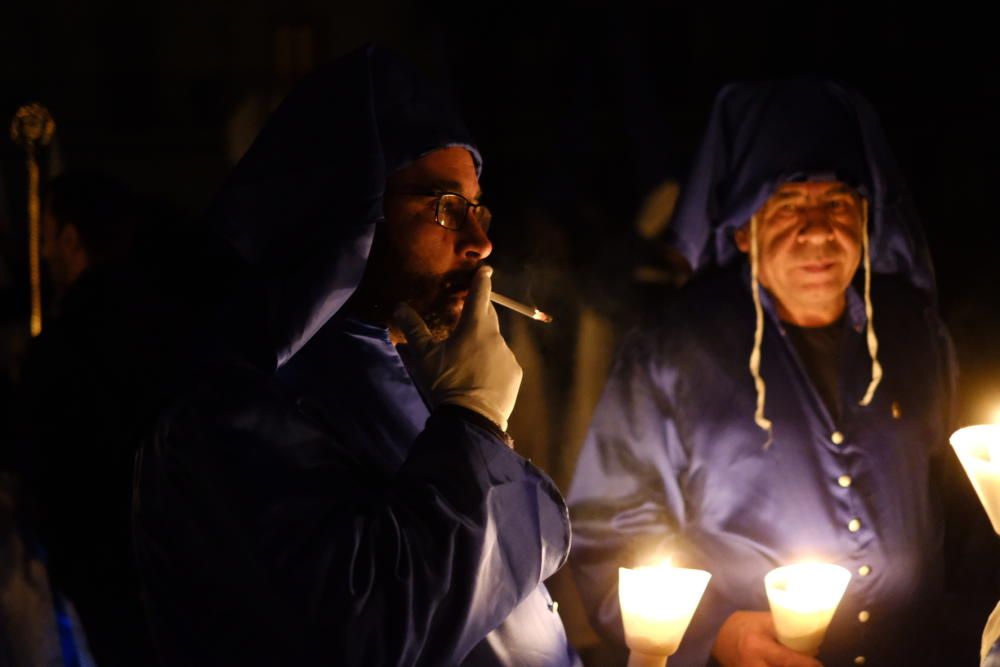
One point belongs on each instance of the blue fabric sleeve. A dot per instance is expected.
(275, 524)
(625, 500)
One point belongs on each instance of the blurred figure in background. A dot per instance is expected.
(87, 223)
(78, 425)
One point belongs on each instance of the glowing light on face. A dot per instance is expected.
(809, 240)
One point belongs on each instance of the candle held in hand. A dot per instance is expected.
(978, 448)
(657, 604)
(803, 599)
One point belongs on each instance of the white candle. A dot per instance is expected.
(803, 599)
(978, 448)
(657, 604)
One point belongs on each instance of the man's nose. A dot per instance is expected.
(817, 227)
(473, 241)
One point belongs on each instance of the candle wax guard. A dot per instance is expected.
(803, 600)
(978, 449)
(657, 604)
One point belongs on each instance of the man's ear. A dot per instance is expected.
(742, 238)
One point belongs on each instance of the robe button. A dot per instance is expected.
(844, 480)
(854, 525)
(864, 570)
(863, 617)
(837, 438)
(860, 660)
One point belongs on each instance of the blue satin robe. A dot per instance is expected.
(354, 374)
(675, 465)
(327, 519)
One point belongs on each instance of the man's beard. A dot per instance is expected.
(436, 298)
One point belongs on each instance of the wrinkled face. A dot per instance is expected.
(809, 240)
(414, 259)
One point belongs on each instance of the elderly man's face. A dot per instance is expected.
(809, 240)
(418, 261)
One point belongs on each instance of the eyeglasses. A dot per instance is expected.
(452, 210)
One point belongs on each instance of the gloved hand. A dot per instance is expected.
(473, 368)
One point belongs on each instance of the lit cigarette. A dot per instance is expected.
(518, 307)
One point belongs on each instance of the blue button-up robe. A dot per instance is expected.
(675, 465)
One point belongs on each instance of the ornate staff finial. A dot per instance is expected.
(33, 127)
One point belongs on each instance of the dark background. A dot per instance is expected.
(579, 109)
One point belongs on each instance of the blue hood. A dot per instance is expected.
(761, 135)
(301, 206)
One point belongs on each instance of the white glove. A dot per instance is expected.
(473, 368)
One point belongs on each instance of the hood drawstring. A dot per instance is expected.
(869, 310)
(758, 336)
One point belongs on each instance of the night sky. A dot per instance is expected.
(579, 109)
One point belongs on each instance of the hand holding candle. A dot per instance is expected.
(803, 599)
(978, 448)
(657, 604)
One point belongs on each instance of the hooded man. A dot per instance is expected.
(316, 499)
(794, 404)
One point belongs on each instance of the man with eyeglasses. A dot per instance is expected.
(425, 266)
(327, 495)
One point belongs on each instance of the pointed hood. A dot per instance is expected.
(761, 135)
(301, 206)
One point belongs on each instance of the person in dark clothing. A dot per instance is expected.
(88, 221)
(814, 291)
(78, 423)
(318, 495)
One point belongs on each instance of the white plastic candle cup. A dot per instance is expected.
(636, 659)
(803, 599)
(657, 604)
(978, 448)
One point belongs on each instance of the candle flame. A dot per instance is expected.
(809, 586)
(657, 603)
(803, 600)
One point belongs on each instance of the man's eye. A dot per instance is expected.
(836, 204)
(451, 205)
